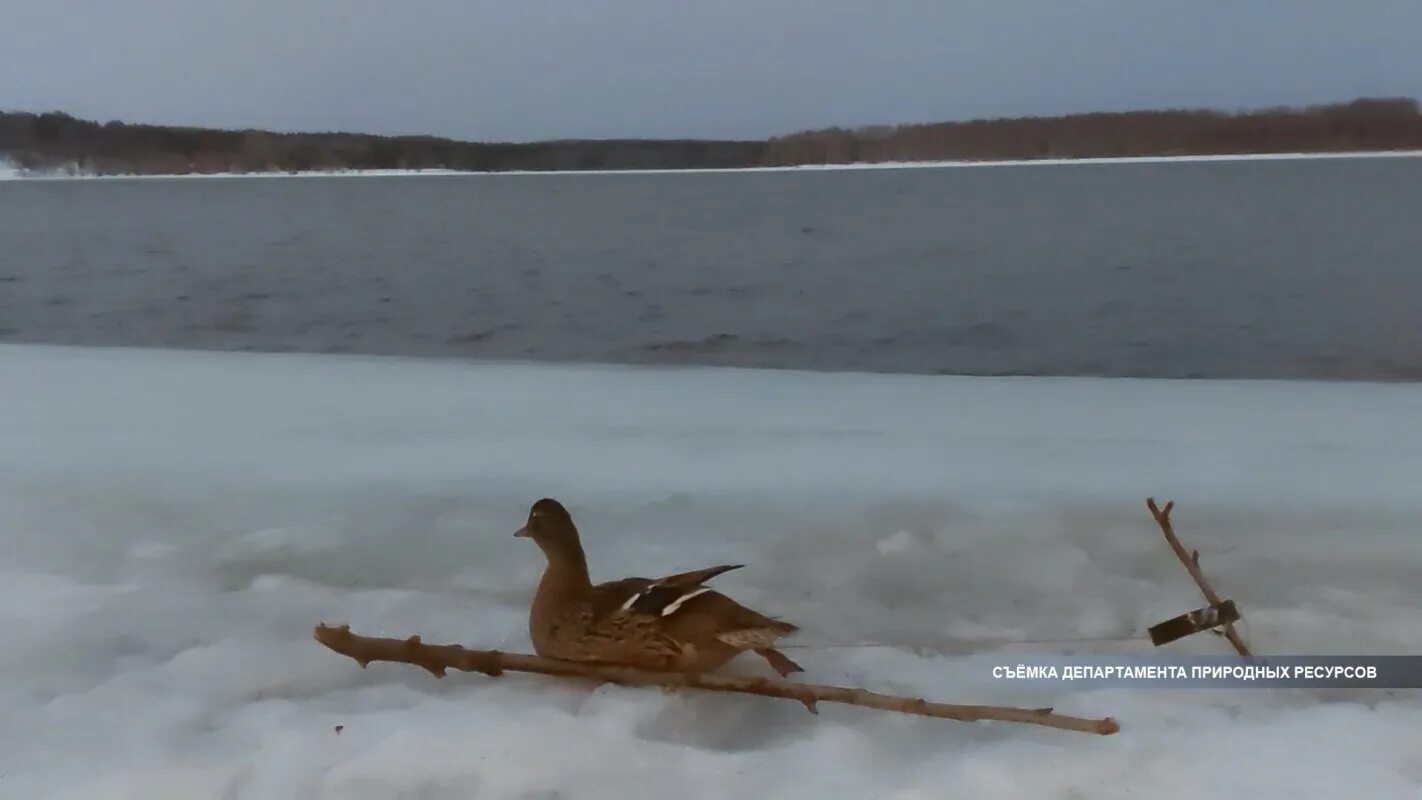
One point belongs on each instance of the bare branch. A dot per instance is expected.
(437, 659)
(1191, 560)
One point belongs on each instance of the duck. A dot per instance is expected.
(673, 623)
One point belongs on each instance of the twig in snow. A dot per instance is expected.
(1191, 560)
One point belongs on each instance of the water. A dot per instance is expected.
(1253, 269)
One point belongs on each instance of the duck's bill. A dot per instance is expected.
(522, 533)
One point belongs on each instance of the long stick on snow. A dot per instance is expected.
(439, 658)
(1191, 560)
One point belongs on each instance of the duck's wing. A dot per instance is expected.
(695, 577)
(609, 598)
(664, 596)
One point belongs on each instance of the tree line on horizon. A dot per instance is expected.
(58, 141)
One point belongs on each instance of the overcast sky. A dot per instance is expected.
(536, 69)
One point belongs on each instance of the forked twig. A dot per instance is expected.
(438, 659)
(1191, 560)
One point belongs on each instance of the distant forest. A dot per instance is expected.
(57, 141)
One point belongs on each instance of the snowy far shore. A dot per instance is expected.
(10, 172)
(175, 523)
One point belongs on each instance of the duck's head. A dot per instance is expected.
(550, 526)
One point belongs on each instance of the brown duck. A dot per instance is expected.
(674, 623)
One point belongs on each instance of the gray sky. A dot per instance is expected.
(535, 69)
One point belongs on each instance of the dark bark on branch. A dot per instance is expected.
(438, 659)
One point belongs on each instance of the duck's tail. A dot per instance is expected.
(761, 635)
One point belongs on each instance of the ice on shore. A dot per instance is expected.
(173, 525)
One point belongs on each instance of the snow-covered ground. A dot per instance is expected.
(173, 525)
(9, 171)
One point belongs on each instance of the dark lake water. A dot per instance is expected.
(1257, 269)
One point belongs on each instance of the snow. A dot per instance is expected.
(173, 524)
(72, 173)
